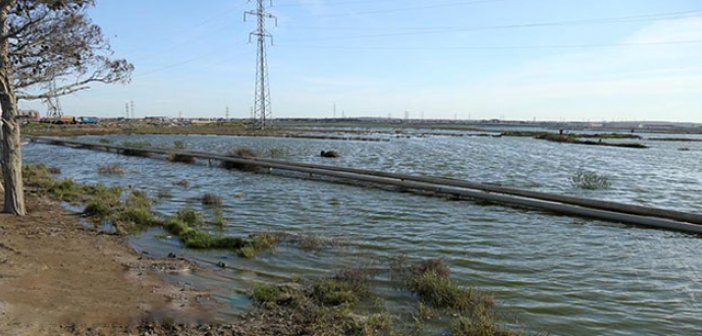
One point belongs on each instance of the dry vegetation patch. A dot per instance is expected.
(244, 153)
(111, 169)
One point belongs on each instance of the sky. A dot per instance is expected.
(544, 60)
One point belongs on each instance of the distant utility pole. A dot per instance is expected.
(126, 110)
(226, 113)
(262, 101)
(334, 111)
(131, 108)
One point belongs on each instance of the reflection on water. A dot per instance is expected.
(563, 275)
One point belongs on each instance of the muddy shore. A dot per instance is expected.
(58, 278)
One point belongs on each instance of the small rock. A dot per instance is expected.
(172, 255)
(329, 154)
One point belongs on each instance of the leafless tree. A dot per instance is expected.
(45, 41)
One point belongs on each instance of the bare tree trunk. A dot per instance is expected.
(11, 146)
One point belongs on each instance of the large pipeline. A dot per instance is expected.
(609, 211)
(584, 202)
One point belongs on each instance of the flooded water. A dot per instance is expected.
(554, 274)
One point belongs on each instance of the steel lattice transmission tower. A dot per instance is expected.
(53, 104)
(262, 113)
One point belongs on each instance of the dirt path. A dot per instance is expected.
(57, 278)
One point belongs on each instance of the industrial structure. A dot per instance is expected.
(53, 111)
(262, 113)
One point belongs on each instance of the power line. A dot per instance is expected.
(191, 28)
(544, 46)
(409, 8)
(262, 96)
(443, 30)
(336, 3)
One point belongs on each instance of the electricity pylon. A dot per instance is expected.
(262, 113)
(53, 104)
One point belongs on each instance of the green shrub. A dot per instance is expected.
(263, 293)
(97, 210)
(139, 217)
(190, 217)
(138, 199)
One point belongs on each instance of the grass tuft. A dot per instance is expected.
(218, 218)
(53, 170)
(264, 240)
(179, 144)
(193, 238)
(263, 293)
(590, 180)
(190, 217)
(429, 279)
(278, 152)
(111, 169)
(247, 252)
(333, 292)
(164, 194)
(211, 199)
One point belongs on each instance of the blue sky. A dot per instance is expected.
(480, 59)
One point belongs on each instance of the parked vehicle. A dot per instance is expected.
(87, 120)
(67, 120)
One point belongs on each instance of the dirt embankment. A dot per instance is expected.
(57, 278)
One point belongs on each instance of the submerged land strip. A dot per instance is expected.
(374, 132)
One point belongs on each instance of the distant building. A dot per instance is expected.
(26, 116)
(201, 121)
(156, 119)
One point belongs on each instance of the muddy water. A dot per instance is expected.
(562, 275)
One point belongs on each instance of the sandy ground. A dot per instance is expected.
(57, 278)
